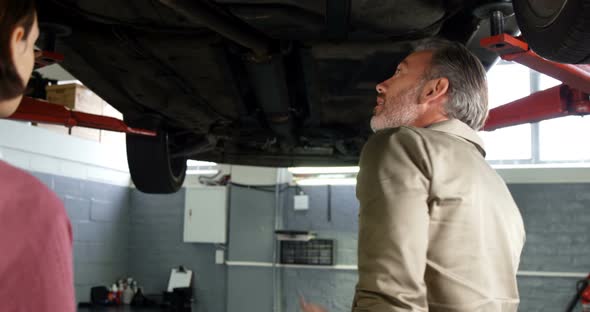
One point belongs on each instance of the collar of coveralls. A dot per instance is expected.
(460, 129)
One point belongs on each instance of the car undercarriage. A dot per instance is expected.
(253, 82)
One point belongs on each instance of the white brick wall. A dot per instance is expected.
(37, 149)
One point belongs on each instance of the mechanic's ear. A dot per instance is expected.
(434, 90)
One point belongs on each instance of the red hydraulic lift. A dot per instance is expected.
(35, 110)
(570, 98)
(40, 111)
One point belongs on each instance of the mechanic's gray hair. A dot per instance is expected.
(468, 90)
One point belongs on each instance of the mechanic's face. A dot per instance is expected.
(23, 56)
(398, 98)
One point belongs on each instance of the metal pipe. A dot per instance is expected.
(272, 93)
(278, 224)
(329, 203)
(236, 30)
(497, 23)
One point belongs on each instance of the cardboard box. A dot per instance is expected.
(63, 94)
(75, 97)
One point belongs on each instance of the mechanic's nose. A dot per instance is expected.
(380, 88)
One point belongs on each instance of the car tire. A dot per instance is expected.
(558, 30)
(151, 166)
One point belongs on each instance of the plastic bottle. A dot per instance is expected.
(128, 295)
(113, 294)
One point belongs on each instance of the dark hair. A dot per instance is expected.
(468, 89)
(13, 13)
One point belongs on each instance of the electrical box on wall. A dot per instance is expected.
(301, 202)
(205, 214)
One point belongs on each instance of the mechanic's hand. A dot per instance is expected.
(310, 307)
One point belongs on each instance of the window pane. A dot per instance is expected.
(546, 82)
(507, 82)
(510, 143)
(562, 139)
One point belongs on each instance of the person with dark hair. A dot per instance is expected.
(36, 271)
(18, 35)
(438, 228)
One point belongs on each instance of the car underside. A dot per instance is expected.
(254, 82)
(307, 102)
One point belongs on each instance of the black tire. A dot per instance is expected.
(558, 30)
(152, 168)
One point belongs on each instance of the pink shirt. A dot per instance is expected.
(35, 246)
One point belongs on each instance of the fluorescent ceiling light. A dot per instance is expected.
(332, 176)
(542, 166)
(319, 181)
(194, 163)
(63, 82)
(316, 170)
(202, 171)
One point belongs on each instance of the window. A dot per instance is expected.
(550, 141)
(561, 139)
(512, 143)
(508, 82)
(546, 82)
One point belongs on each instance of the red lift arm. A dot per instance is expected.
(40, 111)
(43, 112)
(571, 98)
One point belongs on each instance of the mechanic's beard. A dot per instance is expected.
(401, 110)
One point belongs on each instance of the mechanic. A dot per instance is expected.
(438, 228)
(35, 232)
